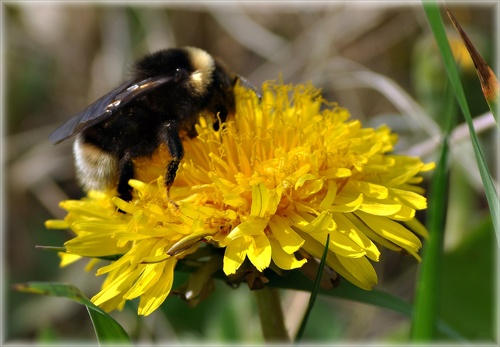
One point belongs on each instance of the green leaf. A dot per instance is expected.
(346, 290)
(474, 291)
(296, 280)
(106, 328)
(432, 11)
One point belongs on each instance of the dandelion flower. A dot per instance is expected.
(270, 185)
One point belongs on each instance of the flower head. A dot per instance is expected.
(266, 189)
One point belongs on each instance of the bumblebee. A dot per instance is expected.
(160, 104)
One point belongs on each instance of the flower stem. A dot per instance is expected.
(271, 315)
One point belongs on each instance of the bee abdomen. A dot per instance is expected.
(95, 168)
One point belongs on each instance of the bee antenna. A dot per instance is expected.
(249, 85)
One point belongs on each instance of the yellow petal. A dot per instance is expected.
(118, 287)
(408, 173)
(361, 270)
(92, 262)
(371, 190)
(252, 227)
(147, 278)
(370, 233)
(260, 200)
(157, 294)
(346, 203)
(282, 259)
(316, 250)
(339, 244)
(336, 173)
(428, 167)
(94, 245)
(302, 179)
(56, 224)
(392, 231)
(67, 258)
(379, 208)
(417, 227)
(235, 254)
(260, 252)
(411, 199)
(319, 224)
(329, 198)
(133, 257)
(405, 214)
(344, 225)
(288, 239)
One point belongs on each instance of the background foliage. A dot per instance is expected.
(378, 60)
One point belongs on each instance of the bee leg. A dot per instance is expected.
(126, 172)
(172, 167)
(169, 134)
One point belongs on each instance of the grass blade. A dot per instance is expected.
(106, 328)
(424, 320)
(314, 292)
(436, 24)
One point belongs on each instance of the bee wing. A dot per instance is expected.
(106, 106)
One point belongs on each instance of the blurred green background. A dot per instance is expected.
(378, 60)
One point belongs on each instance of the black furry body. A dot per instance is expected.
(161, 104)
